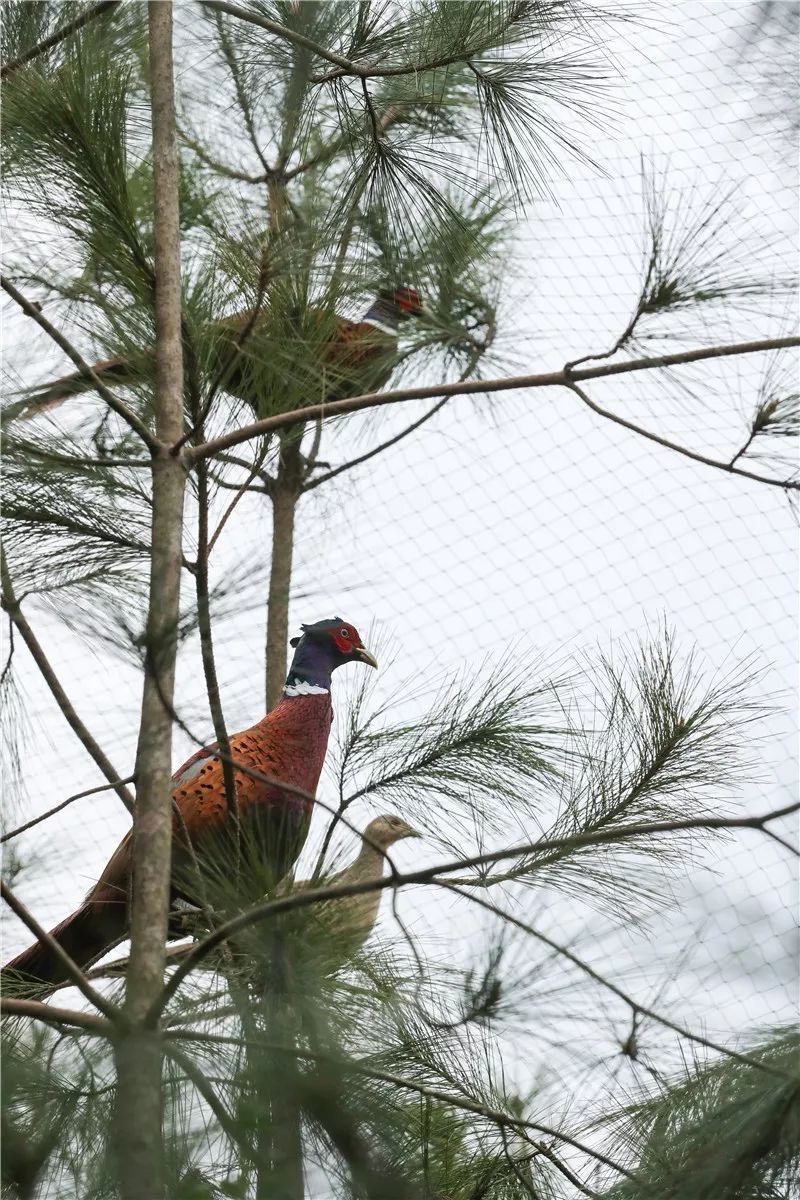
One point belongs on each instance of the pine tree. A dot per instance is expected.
(326, 152)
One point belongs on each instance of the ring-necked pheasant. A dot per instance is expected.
(289, 745)
(259, 358)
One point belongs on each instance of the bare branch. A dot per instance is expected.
(11, 605)
(719, 464)
(216, 165)
(37, 1010)
(103, 787)
(60, 35)
(362, 458)
(241, 491)
(562, 378)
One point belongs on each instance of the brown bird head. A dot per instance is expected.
(322, 648)
(386, 830)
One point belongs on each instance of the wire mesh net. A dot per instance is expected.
(525, 524)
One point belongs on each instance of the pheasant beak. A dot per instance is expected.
(363, 655)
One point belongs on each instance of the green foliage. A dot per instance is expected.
(66, 141)
(693, 260)
(486, 746)
(664, 746)
(304, 191)
(730, 1130)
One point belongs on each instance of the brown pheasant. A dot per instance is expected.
(257, 360)
(289, 745)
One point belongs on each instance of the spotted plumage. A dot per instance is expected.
(278, 765)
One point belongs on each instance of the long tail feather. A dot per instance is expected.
(113, 370)
(85, 935)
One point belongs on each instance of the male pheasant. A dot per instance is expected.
(258, 361)
(289, 745)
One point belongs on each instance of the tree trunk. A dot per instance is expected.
(137, 1126)
(285, 494)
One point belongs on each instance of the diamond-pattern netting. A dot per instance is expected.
(526, 523)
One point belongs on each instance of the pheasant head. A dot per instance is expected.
(384, 831)
(391, 307)
(320, 649)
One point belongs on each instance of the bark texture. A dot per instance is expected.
(285, 493)
(138, 1128)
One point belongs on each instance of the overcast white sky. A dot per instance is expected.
(526, 522)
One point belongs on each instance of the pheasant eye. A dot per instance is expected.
(344, 633)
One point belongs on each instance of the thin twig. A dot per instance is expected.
(103, 787)
(11, 605)
(392, 441)
(60, 35)
(207, 641)
(215, 164)
(241, 491)
(719, 464)
(85, 369)
(70, 966)
(10, 656)
(743, 449)
(282, 31)
(244, 104)
(634, 1005)
(198, 1079)
(560, 378)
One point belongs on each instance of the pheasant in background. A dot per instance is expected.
(255, 358)
(289, 745)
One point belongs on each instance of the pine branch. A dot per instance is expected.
(562, 378)
(244, 104)
(635, 1007)
(724, 1129)
(111, 400)
(75, 973)
(60, 35)
(431, 875)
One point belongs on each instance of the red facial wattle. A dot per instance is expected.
(407, 300)
(346, 639)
